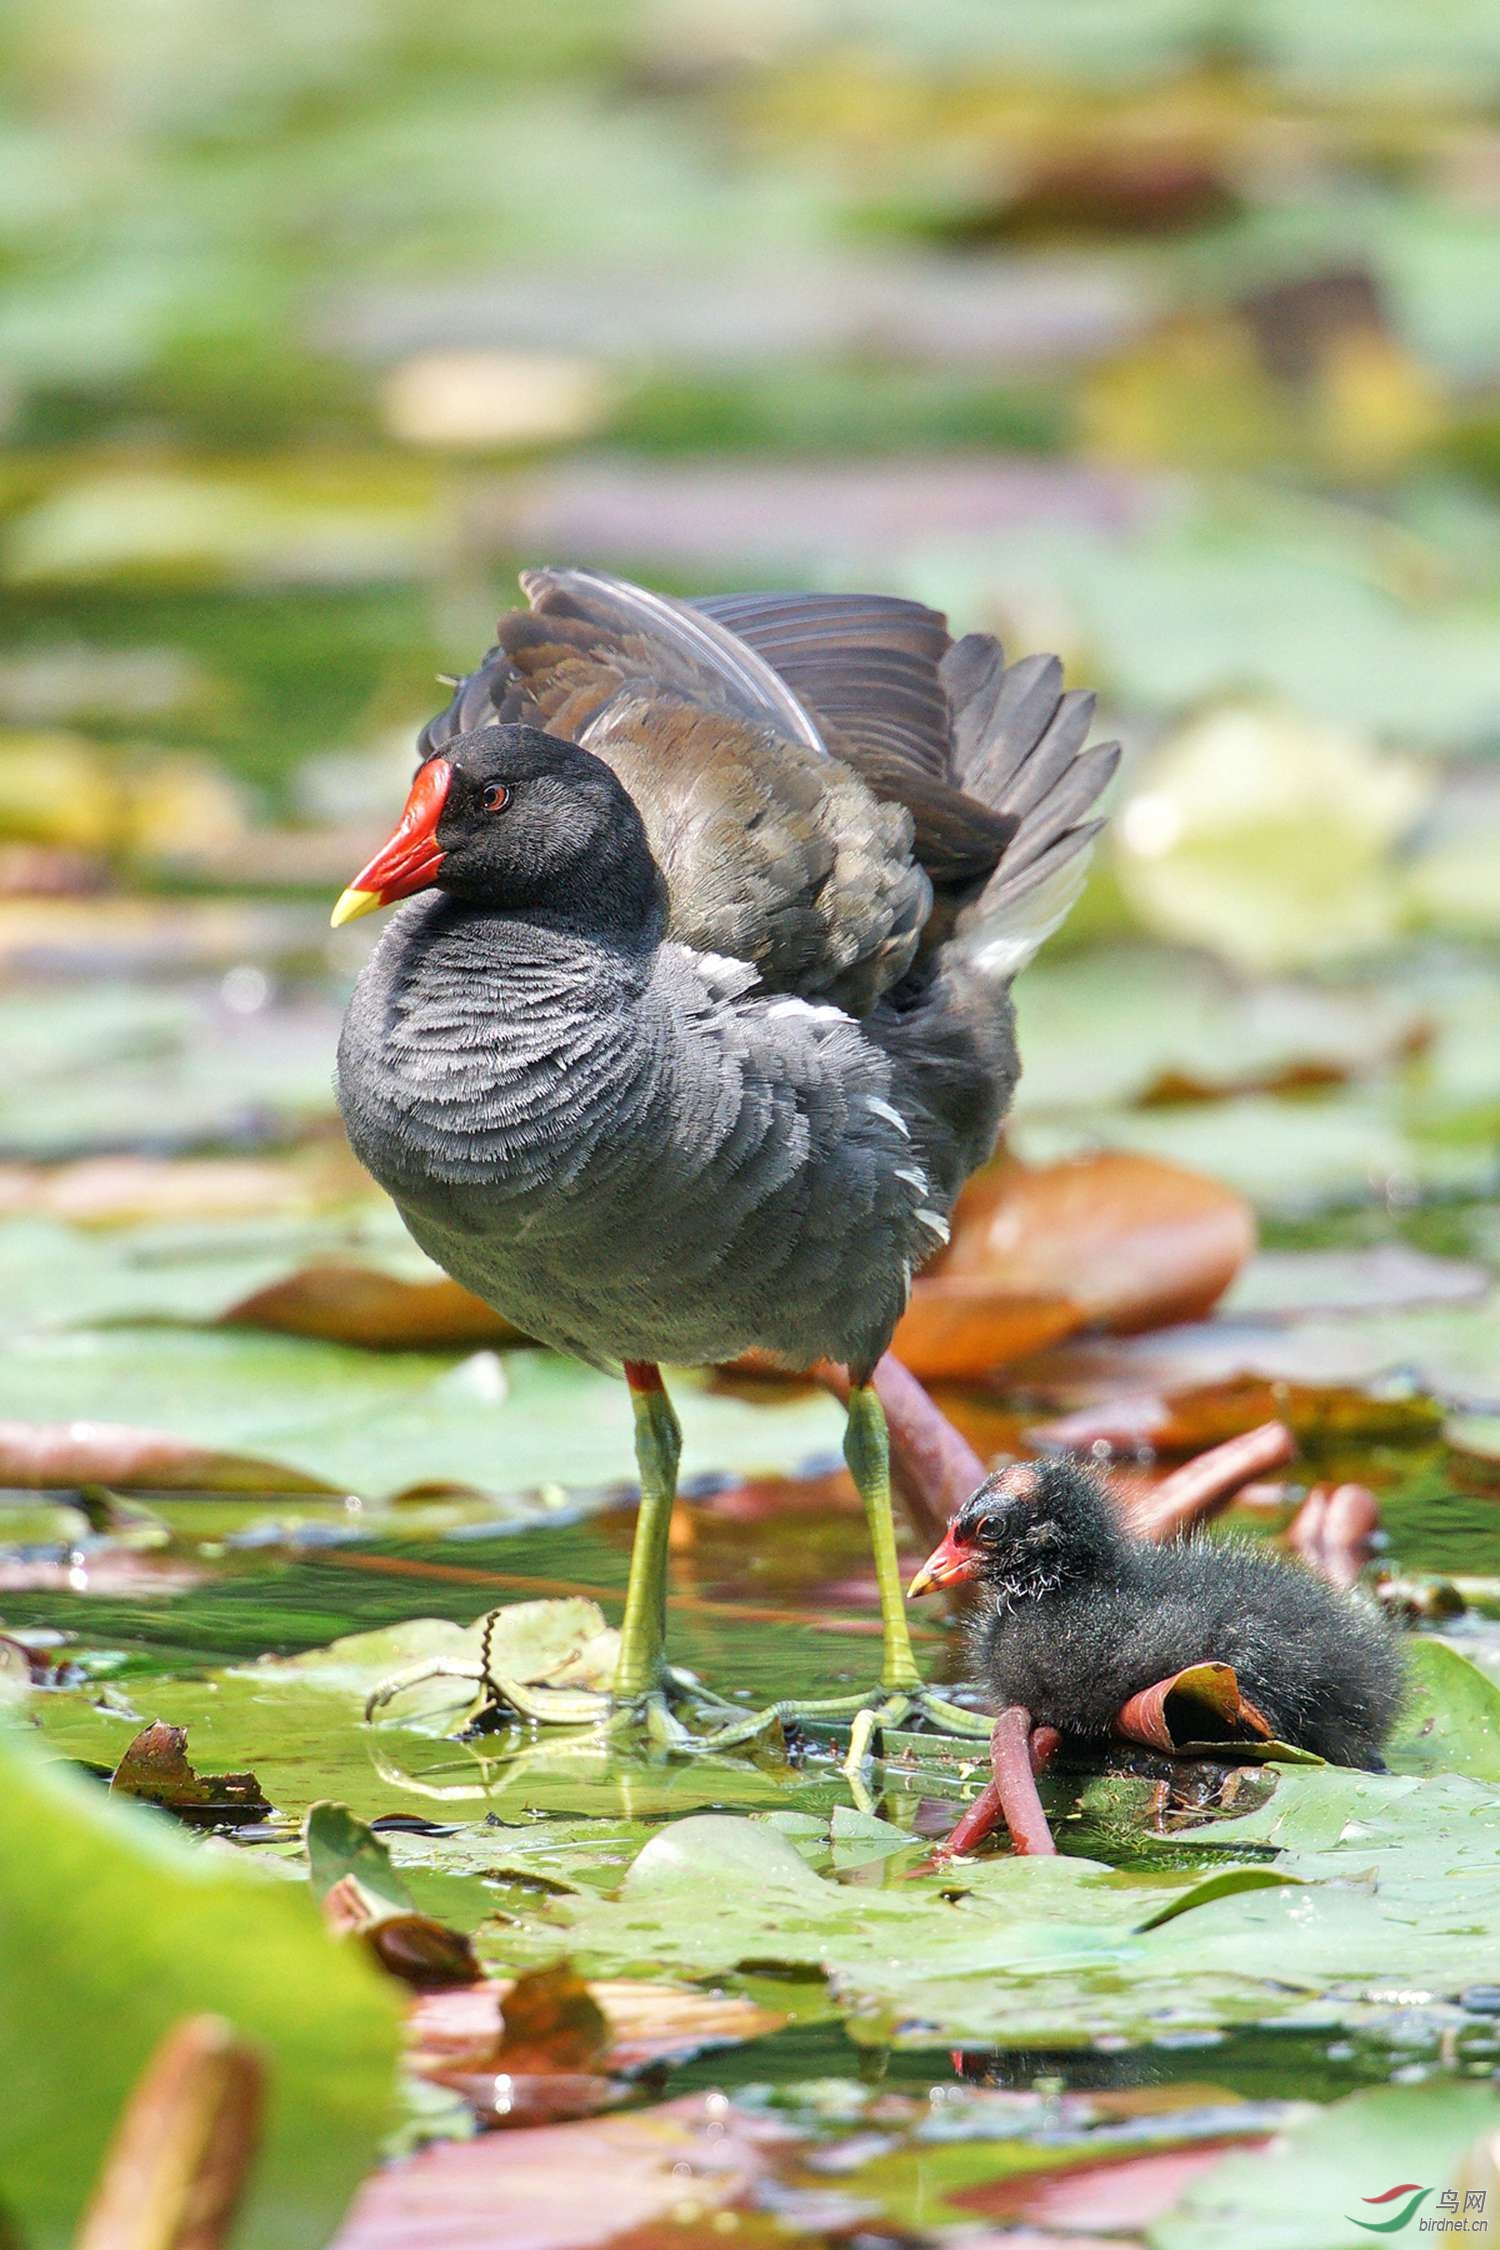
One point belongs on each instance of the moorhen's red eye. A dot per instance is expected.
(496, 797)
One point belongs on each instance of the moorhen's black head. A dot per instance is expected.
(1026, 1531)
(513, 819)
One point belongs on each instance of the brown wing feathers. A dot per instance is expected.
(987, 760)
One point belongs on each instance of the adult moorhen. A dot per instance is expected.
(703, 1016)
(1080, 1617)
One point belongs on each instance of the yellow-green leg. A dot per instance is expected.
(901, 1695)
(867, 1449)
(645, 1685)
(658, 1448)
(646, 1688)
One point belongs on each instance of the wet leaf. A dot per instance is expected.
(1038, 1253)
(1450, 1722)
(860, 1840)
(1113, 1026)
(1226, 1883)
(648, 2024)
(363, 1897)
(155, 1769)
(1291, 1284)
(1298, 2194)
(680, 2156)
(1290, 1159)
(97, 1067)
(225, 1411)
(1130, 2192)
(417, 1948)
(343, 1849)
(550, 2020)
(1200, 1705)
(1033, 1951)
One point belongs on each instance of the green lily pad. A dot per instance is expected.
(339, 1847)
(1101, 1027)
(1451, 1722)
(1034, 1951)
(860, 1840)
(101, 1068)
(228, 1410)
(56, 1276)
(302, 1718)
(112, 1929)
(1311, 2187)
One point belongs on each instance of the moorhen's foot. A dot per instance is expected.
(661, 1713)
(877, 1711)
(669, 1716)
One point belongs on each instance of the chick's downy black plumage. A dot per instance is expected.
(1080, 1617)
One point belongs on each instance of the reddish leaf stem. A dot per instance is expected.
(1202, 1486)
(1018, 1753)
(1332, 1531)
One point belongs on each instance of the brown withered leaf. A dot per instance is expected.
(550, 2020)
(420, 1950)
(1112, 1240)
(1069, 2204)
(1183, 1420)
(540, 2057)
(155, 1769)
(119, 1190)
(648, 2023)
(43, 1455)
(351, 1304)
(1200, 1710)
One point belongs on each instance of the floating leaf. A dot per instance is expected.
(1451, 1719)
(1314, 2183)
(155, 1769)
(566, 2185)
(1112, 1026)
(648, 2024)
(225, 1411)
(1038, 1253)
(343, 1849)
(549, 2020)
(362, 1896)
(185, 1936)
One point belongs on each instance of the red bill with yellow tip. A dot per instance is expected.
(410, 859)
(952, 1563)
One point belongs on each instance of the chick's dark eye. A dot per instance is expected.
(496, 797)
(988, 1531)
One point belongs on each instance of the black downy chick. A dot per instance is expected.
(1081, 1616)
